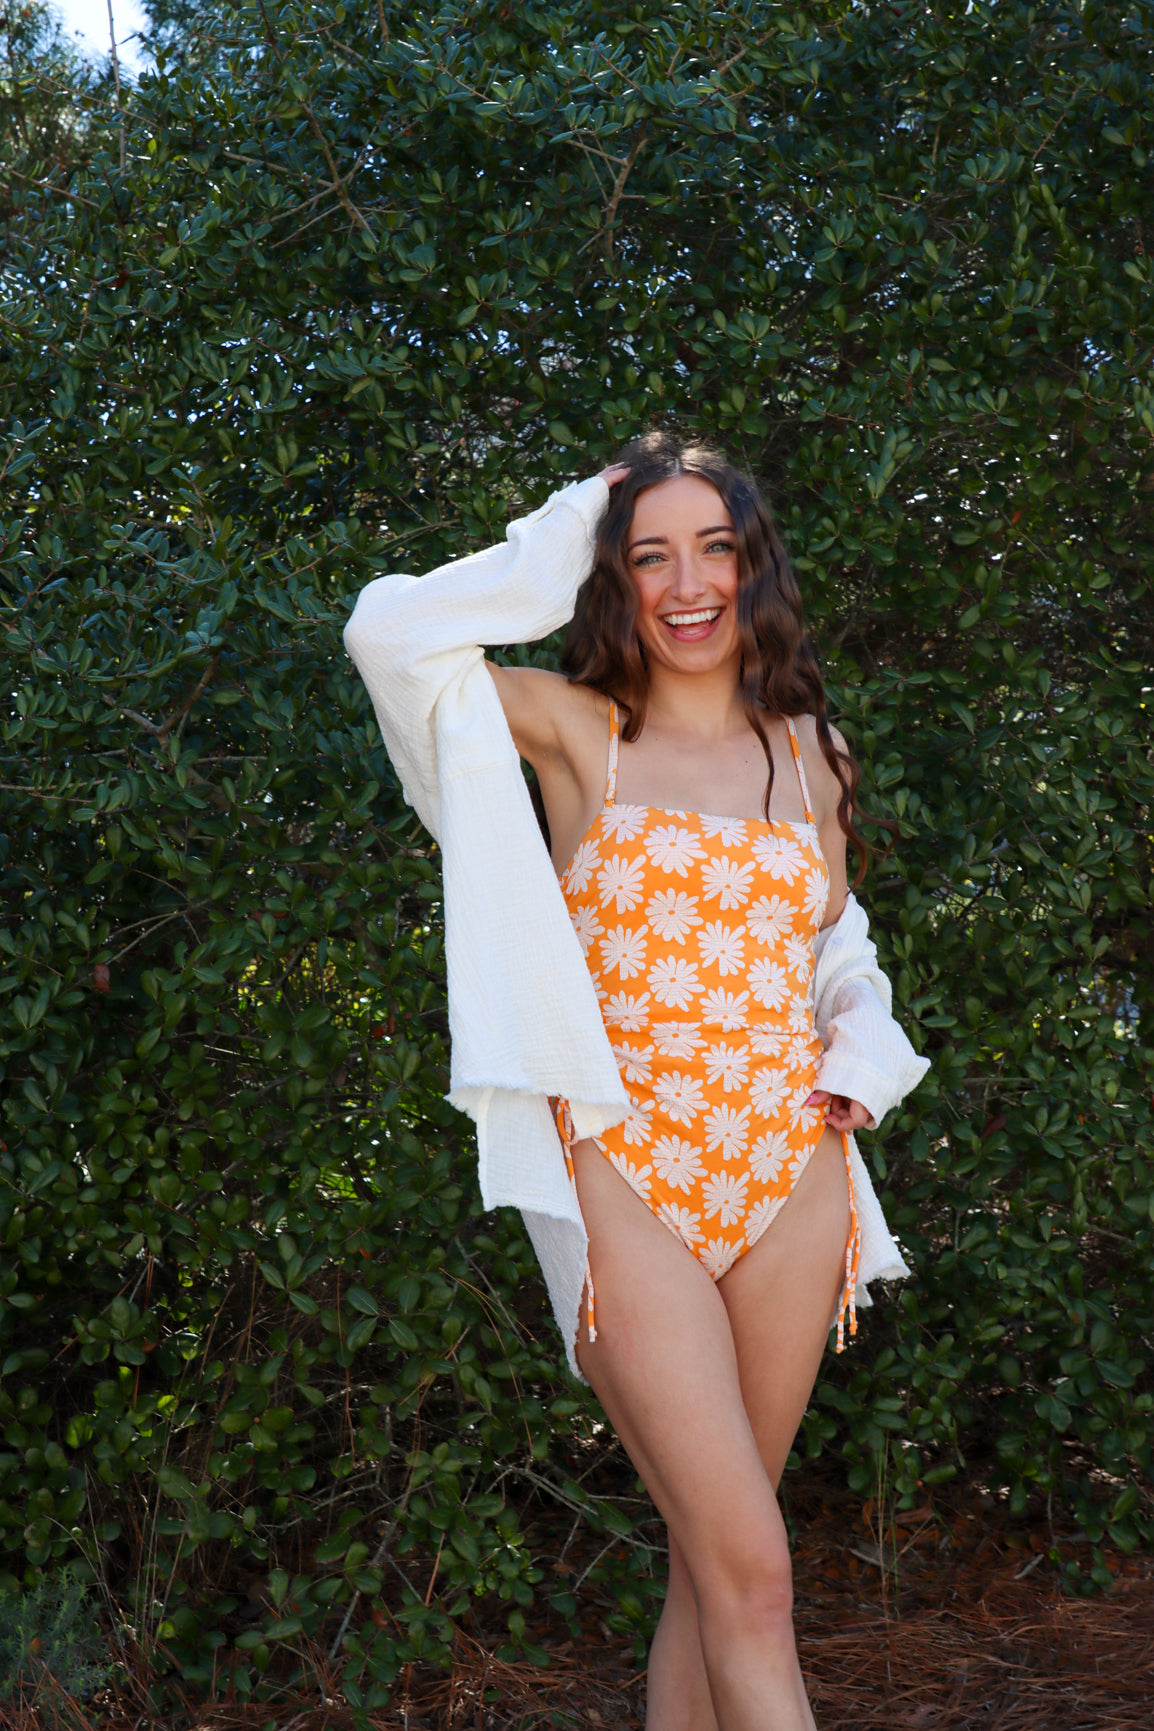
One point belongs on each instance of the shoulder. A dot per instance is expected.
(807, 732)
(824, 784)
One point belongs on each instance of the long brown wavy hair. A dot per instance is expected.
(779, 671)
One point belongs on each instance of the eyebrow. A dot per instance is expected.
(662, 540)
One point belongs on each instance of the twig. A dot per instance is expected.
(161, 730)
(618, 188)
(44, 793)
(1039, 148)
(192, 697)
(377, 1557)
(615, 1539)
(621, 73)
(116, 76)
(256, 161)
(304, 227)
(339, 186)
(152, 926)
(50, 186)
(742, 52)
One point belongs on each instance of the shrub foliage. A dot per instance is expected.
(337, 290)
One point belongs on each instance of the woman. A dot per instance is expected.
(698, 807)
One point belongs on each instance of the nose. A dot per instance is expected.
(688, 581)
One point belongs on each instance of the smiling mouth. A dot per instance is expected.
(704, 616)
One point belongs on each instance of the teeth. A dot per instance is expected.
(692, 618)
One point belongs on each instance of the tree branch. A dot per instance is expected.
(615, 196)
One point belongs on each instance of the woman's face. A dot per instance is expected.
(681, 552)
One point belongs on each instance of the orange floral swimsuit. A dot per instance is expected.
(698, 932)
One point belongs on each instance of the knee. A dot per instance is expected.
(764, 1600)
(749, 1588)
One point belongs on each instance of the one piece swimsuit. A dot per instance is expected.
(698, 932)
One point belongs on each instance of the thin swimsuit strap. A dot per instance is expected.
(796, 749)
(611, 772)
(614, 738)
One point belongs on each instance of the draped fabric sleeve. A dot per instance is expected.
(524, 1021)
(414, 639)
(867, 1057)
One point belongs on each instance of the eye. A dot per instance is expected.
(640, 559)
(721, 547)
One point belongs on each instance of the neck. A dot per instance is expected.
(702, 706)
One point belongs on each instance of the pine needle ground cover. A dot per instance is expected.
(964, 1627)
(333, 293)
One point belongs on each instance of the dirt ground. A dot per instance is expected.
(965, 1626)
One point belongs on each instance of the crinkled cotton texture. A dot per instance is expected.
(523, 1015)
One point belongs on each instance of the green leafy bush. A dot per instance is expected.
(358, 286)
(51, 1632)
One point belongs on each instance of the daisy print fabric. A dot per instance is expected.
(698, 932)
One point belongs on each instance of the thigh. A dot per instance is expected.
(780, 1297)
(665, 1368)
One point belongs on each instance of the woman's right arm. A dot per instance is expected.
(411, 638)
(412, 635)
(562, 730)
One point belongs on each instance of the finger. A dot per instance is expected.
(819, 1097)
(851, 1116)
(614, 473)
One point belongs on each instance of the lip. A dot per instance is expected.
(694, 633)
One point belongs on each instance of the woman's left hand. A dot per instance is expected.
(841, 1113)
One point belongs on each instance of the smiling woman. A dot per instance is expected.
(687, 535)
(698, 807)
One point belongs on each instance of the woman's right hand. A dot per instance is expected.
(614, 473)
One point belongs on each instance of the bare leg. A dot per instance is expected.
(706, 1386)
(677, 1692)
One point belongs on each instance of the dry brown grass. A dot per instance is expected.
(1070, 1665)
